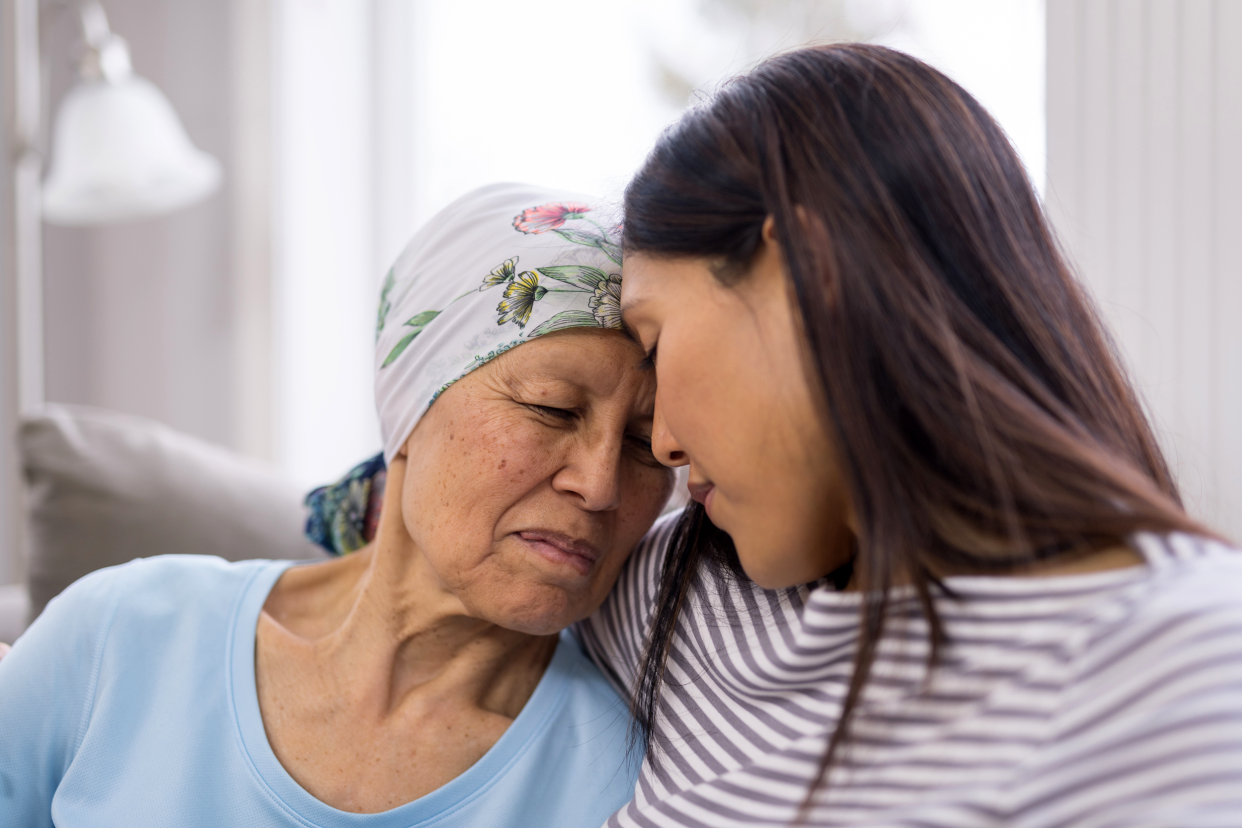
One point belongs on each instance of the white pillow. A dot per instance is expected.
(105, 488)
(14, 607)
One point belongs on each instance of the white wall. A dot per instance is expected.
(248, 319)
(1144, 171)
(166, 318)
(9, 479)
(326, 269)
(993, 48)
(139, 316)
(386, 110)
(580, 100)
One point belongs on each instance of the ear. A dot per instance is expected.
(768, 233)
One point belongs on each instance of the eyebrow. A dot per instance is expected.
(522, 381)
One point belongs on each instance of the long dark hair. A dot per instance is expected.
(977, 406)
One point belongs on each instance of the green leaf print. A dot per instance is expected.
(385, 305)
(418, 322)
(563, 320)
(610, 248)
(579, 276)
(578, 236)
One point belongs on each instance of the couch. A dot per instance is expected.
(105, 488)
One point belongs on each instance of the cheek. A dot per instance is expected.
(712, 378)
(688, 376)
(459, 487)
(646, 490)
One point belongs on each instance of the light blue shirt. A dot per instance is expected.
(132, 701)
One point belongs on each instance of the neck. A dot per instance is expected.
(381, 620)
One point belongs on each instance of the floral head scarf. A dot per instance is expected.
(500, 266)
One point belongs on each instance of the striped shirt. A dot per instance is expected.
(1108, 699)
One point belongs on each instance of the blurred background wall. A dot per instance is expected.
(11, 534)
(1144, 130)
(138, 316)
(341, 124)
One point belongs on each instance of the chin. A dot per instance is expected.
(770, 566)
(534, 613)
(537, 626)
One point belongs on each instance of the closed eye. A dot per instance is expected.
(563, 414)
(649, 361)
(641, 445)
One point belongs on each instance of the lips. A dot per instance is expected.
(702, 492)
(561, 548)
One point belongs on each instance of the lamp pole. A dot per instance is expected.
(28, 231)
(23, 283)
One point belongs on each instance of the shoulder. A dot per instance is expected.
(146, 592)
(584, 678)
(1171, 645)
(1195, 586)
(87, 600)
(186, 578)
(185, 571)
(149, 592)
(191, 573)
(65, 641)
(592, 713)
(647, 560)
(614, 634)
(640, 577)
(1150, 713)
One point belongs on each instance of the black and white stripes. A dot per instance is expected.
(1111, 699)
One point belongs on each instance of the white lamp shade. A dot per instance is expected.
(119, 152)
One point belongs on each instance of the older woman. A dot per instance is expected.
(422, 680)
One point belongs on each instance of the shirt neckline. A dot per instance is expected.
(545, 701)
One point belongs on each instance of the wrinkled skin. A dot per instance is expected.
(386, 674)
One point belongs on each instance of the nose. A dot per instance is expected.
(593, 473)
(663, 444)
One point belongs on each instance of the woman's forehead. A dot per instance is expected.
(593, 359)
(490, 276)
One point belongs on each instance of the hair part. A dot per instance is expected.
(981, 415)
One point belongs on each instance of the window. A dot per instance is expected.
(387, 111)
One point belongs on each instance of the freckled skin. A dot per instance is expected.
(386, 674)
(573, 476)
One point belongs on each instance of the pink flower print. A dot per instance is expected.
(547, 217)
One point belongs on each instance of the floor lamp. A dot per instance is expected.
(119, 152)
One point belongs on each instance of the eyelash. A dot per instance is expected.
(646, 451)
(564, 414)
(642, 441)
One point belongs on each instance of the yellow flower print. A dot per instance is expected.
(503, 273)
(520, 298)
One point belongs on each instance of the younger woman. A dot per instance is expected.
(957, 587)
